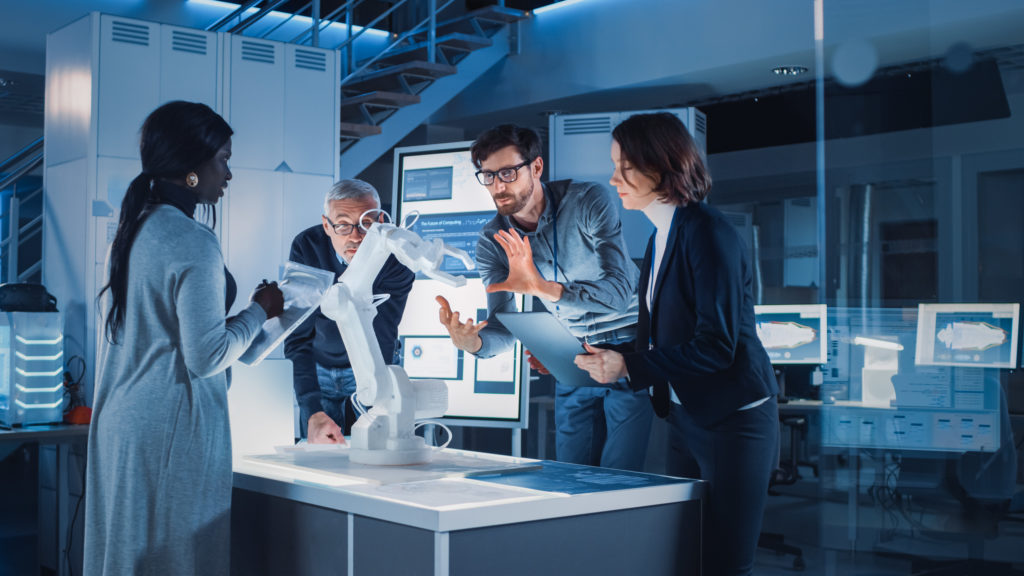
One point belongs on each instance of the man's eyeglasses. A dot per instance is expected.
(346, 229)
(506, 175)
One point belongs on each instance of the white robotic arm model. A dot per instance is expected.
(384, 435)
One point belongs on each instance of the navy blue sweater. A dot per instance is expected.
(317, 340)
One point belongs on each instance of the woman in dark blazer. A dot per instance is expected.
(696, 346)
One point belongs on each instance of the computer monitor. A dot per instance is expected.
(436, 193)
(970, 335)
(793, 334)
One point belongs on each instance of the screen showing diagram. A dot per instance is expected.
(437, 196)
(793, 334)
(427, 184)
(978, 335)
(459, 229)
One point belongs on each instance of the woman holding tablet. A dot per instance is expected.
(696, 344)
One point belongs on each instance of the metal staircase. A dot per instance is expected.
(386, 96)
(21, 215)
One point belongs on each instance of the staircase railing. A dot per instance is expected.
(429, 23)
(31, 153)
(16, 167)
(320, 23)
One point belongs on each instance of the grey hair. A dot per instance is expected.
(349, 189)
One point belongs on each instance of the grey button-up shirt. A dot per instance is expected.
(599, 279)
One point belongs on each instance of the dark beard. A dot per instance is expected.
(518, 205)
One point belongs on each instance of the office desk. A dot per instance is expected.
(55, 502)
(539, 517)
(800, 406)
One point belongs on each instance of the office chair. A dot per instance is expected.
(788, 470)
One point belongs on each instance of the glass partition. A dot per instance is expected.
(887, 183)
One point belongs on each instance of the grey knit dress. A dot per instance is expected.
(158, 491)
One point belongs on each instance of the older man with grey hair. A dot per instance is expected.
(323, 377)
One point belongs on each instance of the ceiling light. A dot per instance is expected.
(789, 70)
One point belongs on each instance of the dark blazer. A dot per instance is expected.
(705, 343)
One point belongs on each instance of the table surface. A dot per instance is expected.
(44, 432)
(516, 490)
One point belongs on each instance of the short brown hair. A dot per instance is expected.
(659, 146)
(526, 141)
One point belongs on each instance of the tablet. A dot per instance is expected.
(552, 343)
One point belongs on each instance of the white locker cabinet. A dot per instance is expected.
(311, 82)
(304, 204)
(129, 83)
(251, 233)
(580, 145)
(67, 262)
(105, 74)
(69, 92)
(188, 65)
(131, 86)
(256, 102)
(262, 213)
(113, 175)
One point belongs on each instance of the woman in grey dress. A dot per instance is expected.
(158, 489)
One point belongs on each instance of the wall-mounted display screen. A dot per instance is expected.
(438, 196)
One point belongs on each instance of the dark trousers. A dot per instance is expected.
(736, 457)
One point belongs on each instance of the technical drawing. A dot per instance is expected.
(782, 335)
(972, 336)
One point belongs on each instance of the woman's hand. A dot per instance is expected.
(604, 366)
(270, 298)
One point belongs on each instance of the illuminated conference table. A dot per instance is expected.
(308, 509)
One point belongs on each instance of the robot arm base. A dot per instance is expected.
(400, 457)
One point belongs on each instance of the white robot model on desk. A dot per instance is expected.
(384, 435)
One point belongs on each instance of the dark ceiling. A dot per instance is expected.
(899, 98)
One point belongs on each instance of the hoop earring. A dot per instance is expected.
(192, 180)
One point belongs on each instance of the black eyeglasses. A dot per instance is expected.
(346, 229)
(506, 175)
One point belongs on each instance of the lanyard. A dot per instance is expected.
(554, 249)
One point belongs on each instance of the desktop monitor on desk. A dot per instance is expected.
(968, 335)
(793, 334)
